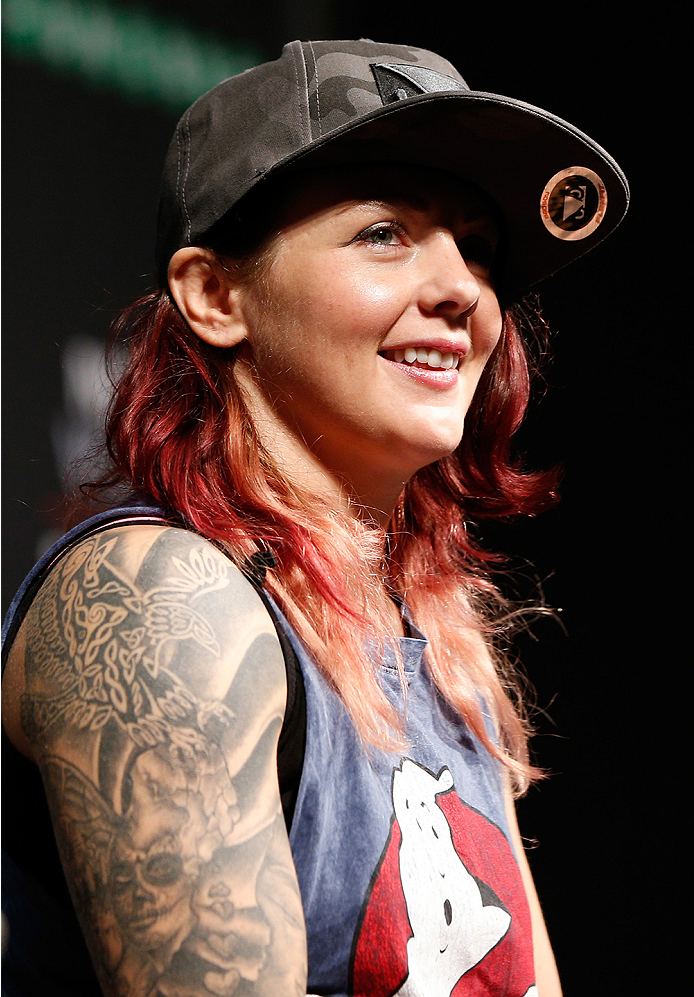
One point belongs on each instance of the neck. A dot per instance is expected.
(367, 497)
(360, 491)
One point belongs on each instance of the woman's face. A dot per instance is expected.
(371, 329)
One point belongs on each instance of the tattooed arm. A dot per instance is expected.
(152, 691)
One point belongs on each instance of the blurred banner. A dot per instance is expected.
(94, 90)
(131, 50)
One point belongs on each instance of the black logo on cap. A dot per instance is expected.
(573, 203)
(398, 82)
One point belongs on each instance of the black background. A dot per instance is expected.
(81, 178)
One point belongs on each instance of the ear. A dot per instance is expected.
(205, 297)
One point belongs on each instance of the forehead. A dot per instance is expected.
(331, 190)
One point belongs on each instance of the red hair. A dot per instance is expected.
(178, 432)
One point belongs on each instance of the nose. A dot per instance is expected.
(142, 891)
(448, 287)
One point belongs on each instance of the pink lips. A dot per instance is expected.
(433, 377)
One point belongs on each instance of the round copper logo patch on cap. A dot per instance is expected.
(573, 203)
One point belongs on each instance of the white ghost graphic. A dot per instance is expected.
(452, 929)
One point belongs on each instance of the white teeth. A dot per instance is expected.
(433, 358)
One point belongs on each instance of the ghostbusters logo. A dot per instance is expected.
(453, 930)
(446, 914)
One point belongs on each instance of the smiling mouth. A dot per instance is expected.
(145, 919)
(422, 357)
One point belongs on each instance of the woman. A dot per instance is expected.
(249, 749)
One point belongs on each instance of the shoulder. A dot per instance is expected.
(124, 603)
(152, 697)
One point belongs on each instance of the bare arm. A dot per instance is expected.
(154, 691)
(546, 974)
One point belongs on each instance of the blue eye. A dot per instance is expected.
(380, 235)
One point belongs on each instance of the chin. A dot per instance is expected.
(438, 444)
(430, 456)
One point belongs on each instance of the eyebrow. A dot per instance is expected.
(411, 200)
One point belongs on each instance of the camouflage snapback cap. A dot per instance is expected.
(559, 193)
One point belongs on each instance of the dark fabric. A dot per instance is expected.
(292, 740)
(45, 955)
(27, 831)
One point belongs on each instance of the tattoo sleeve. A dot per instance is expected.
(155, 696)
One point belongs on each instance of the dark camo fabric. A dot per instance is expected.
(360, 101)
(268, 114)
(341, 88)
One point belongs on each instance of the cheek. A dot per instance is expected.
(368, 304)
(320, 306)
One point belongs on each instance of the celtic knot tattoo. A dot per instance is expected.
(107, 653)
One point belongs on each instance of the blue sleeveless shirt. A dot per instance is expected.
(409, 883)
(408, 879)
